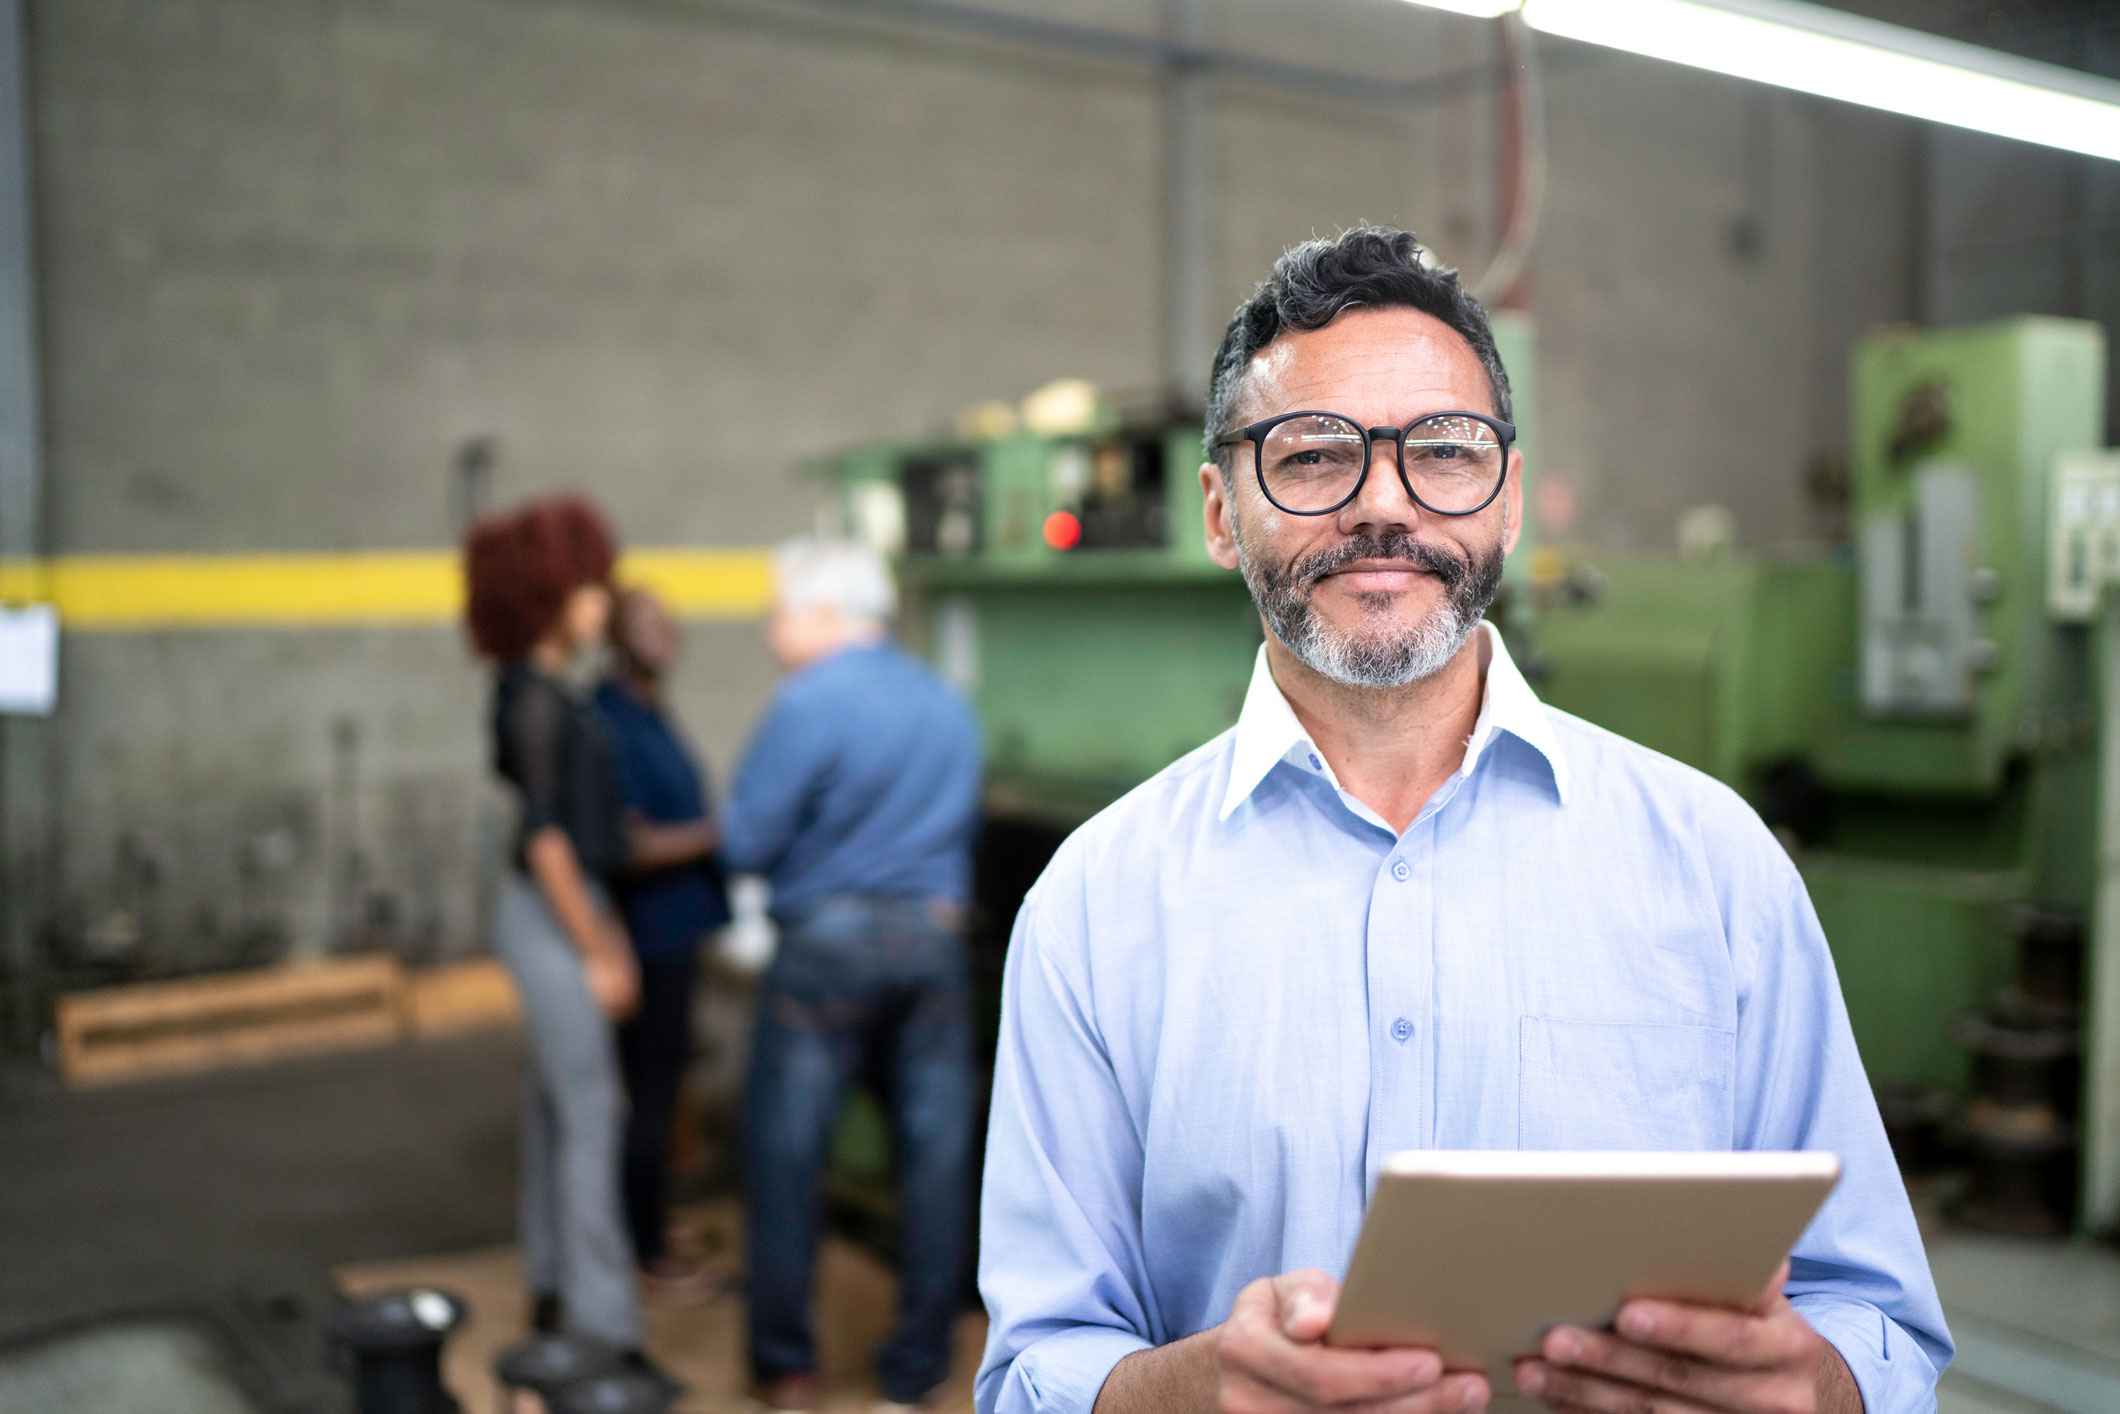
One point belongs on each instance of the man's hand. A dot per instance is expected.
(1667, 1357)
(1272, 1357)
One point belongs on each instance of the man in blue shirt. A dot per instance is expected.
(671, 894)
(858, 799)
(1403, 905)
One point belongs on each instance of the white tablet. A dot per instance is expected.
(1477, 1253)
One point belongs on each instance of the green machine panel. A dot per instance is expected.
(1954, 437)
(1907, 715)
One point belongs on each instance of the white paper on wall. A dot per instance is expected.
(29, 660)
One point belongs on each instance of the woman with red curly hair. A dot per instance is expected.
(539, 597)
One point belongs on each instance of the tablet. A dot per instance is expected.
(1477, 1253)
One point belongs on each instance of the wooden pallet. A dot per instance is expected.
(196, 1023)
(461, 996)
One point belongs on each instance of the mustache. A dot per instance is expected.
(1452, 570)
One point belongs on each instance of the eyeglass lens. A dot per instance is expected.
(1312, 463)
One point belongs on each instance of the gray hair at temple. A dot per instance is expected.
(811, 572)
(1365, 267)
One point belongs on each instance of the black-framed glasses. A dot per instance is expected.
(1313, 463)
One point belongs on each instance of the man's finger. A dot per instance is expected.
(1738, 1338)
(1306, 1299)
(1318, 1374)
(1601, 1354)
(1561, 1388)
(1459, 1393)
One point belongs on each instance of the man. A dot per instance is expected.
(1402, 905)
(671, 894)
(858, 799)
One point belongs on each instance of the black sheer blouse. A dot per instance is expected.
(548, 744)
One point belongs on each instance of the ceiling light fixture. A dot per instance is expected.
(1825, 52)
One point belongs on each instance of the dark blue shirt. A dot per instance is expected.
(667, 911)
(863, 778)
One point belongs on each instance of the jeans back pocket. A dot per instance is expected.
(1623, 1085)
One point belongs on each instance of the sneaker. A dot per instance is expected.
(796, 1393)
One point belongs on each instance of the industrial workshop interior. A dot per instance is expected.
(722, 705)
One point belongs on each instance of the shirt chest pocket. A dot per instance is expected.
(1607, 1085)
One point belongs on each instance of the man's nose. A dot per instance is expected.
(1382, 501)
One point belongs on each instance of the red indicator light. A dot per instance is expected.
(1063, 531)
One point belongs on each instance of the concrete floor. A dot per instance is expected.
(214, 1211)
(2037, 1324)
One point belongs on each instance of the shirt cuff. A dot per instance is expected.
(1063, 1372)
(1890, 1367)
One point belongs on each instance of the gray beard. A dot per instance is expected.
(1386, 657)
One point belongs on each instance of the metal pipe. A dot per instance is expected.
(24, 798)
(1188, 209)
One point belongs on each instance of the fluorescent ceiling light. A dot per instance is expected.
(1812, 49)
(1479, 9)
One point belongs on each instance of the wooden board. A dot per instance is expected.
(196, 1023)
(462, 996)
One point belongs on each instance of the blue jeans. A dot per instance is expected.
(869, 989)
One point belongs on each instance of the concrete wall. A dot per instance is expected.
(296, 251)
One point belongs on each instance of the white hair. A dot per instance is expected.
(812, 572)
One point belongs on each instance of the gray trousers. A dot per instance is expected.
(574, 1113)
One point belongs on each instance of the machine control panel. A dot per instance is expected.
(1922, 589)
(2083, 534)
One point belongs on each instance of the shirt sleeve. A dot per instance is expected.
(772, 788)
(1859, 1274)
(533, 726)
(1060, 1264)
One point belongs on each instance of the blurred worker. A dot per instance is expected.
(671, 895)
(538, 600)
(858, 798)
(1403, 905)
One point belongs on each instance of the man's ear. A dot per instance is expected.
(1216, 512)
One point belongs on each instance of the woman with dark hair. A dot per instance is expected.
(538, 597)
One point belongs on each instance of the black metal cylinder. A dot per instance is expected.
(395, 1344)
(1914, 1117)
(629, 1392)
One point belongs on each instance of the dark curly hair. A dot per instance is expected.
(520, 566)
(1365, 267)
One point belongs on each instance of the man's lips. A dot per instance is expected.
(1372, 575)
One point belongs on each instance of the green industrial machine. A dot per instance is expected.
(1911, 716)
(1918, 713)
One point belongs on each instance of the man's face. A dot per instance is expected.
(1380, 592)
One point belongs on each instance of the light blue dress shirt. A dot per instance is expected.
(1236, 992)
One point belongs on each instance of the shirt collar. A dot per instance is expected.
(1268, 732)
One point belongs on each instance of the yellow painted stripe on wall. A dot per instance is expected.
(137, 592)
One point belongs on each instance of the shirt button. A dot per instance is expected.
(1399, 871)
(1315, 763)
(1401, 1030)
